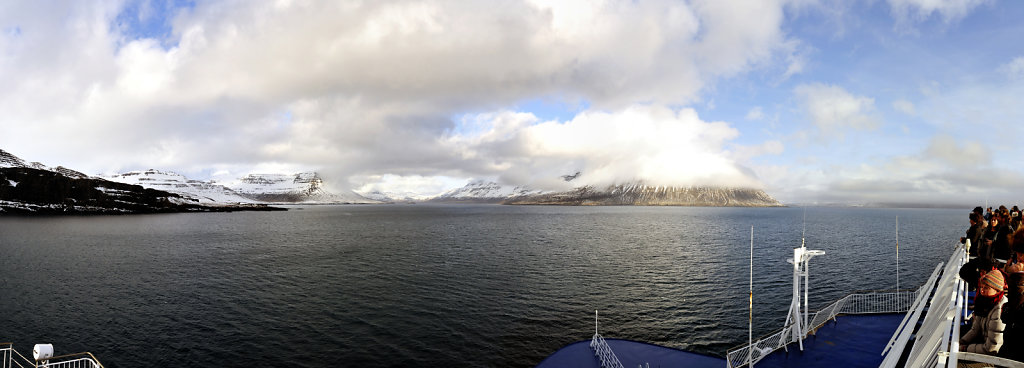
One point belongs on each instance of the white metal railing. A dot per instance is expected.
(865, 303)
(82, 362)
(990, 360)
(899, 338)
(932, 342)
(12, 358)
(763, 346)
(856, 303)
(9, 354)
(604, 352)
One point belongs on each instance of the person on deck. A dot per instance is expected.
(1016, 261)
(1015, 218)
(1001, 244)
(995, 239)
(976, 233)
(986, 334)
(974, 270)
(1013, 317)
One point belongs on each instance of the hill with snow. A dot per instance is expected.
(34, 188)
(295, 188)
(395, 197)
(309, 188)
(203, 192)
(483, 192)
(639, 194)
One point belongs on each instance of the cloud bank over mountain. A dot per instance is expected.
(404, 93)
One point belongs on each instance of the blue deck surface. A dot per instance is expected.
(850, 341)
(631, 354)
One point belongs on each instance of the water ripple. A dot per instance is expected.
(383, 286)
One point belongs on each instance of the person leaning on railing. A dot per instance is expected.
(976, 233)
(986, 334)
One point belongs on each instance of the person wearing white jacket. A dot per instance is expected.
(986, 334)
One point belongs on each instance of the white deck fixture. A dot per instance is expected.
(602, 350)
(796, 321)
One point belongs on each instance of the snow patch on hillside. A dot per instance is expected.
(206, 193)
(481, 190)
(305, 187)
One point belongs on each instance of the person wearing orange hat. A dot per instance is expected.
(986, 334)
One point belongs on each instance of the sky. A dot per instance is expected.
(815, 102)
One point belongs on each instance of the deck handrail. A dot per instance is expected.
(869, 302)
(899, 339)
(76, 360)
(8, 357)
(932, 343)
(990, 359)
(604, 352)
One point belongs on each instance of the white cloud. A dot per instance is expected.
(745, 153)
(356, 89)
(755, 113)
(410, 185)
(945, 150)
(945, 171)
(904, 106)
(833, 110)
(1014, 69)
(658, 145)
(919, 10)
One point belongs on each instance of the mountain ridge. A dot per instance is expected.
(36, 189)
(309, 188)
(639, 194)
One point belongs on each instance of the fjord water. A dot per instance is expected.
(419, 285)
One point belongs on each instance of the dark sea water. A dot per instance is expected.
(419, 285)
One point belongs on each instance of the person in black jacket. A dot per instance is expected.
(996, 245)
(976, 233)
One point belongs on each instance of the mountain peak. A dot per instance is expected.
(292, 188)
(9, 160)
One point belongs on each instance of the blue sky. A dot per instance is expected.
(855, 102)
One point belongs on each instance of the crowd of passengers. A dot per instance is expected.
(996, 273)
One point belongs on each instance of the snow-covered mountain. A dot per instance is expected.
(639, 194)
(309, 188)
(253, 188)
(480, 191)
(203, 192)
(395, 197)
(34, 188)
(11, 161)
(636, 193)
(297, 188)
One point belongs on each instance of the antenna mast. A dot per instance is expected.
(897, 253)
(750, 319)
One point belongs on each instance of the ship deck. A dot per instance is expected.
(849, 341)
(631, 354)
(914, 329)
